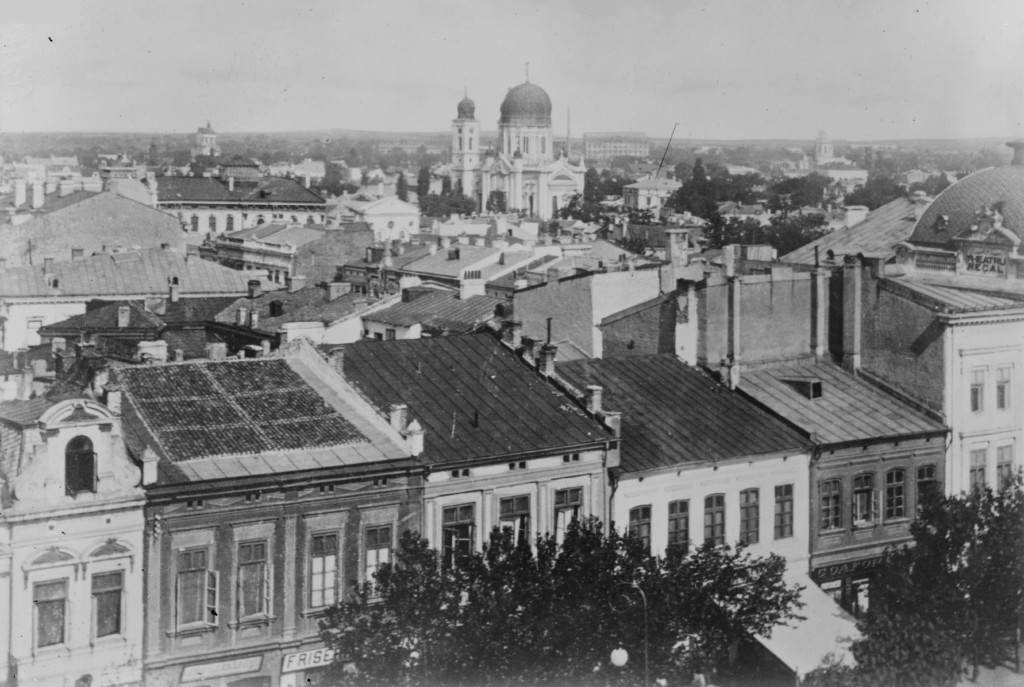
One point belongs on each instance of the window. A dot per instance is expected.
(640, 524)
(714, 519)
(977, 391)
(783, 511)
(457, 533)
(323, 570)
(50, 601)
(79, 466)
(832, 504)
(197, 589)
(195, 223)
(927, 484)
(107, 589)
(979, 457)
(77, 253)
(378, 549)
(389, 334)
(1002, 388)
(514, 513)
(1004, 466)
(230, 223)
(679, 524)
(895, 494)
(864, 500)
(750, 521)
(211, 223)
(567, 508)
(252, 579)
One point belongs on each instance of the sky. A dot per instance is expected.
(723, 69)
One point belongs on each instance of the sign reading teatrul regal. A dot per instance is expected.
(305, 660)
(985, 263)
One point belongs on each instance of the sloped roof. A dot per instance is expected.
(106, 318)
(878, 233)
(220, 420)
(308, 304)
(439, 311)
(655, 184)
(674, 414)
(124, 274)
(439, 264)
(949, 299)
(208, 189)
(449, 381)
(961, 201)
(849, 409)
(24, 413)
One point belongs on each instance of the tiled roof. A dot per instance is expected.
(439, 311)
(880, 231)
(106, 318)
(950, 299)
(123, 274)
(269, 190)
(849, 409)
(305, 305)
(439, 264)
(674, 414)
(24, 413)
(961, 201)
(449, 382)
(295, 235)
(220, 420)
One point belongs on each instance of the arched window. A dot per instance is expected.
(231, 223)
(212, 223)
(79, 466)
(195, 223)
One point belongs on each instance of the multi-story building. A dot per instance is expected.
(651, 194)
(272, 488)
(71, 546)
(604, 146)
(506, 448)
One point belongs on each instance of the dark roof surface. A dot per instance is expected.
(24, 413)
(526, 105)
(309, 304)
(949, 299)
(448, 381)
(439, 311)
(961, 201)
(207, 189)
(849, 409)
(674, 414)
(106, 318)
(880, 231)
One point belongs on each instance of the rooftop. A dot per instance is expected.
(848, 409)
(439, 311)
(309, 304)
(956, 208)
(268, 190)
(881, 230)
(674, 414)
(440, 264)
(475, 398)
(950, 299)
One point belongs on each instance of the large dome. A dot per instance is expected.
(526, 105)
(467, 108)
(958, 206)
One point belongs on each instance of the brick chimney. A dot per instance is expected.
(399, 416)
(217, 351)
(37, 195)
(296, 284)
(593, 394)
(852, 286)
(1018, 153)
(174, 292)
(124, 316)
(112, 398)
(335, 289)
(546, 359)
(19, 192)
(178, 355)
(255, 288)
(254, 319)
(241, 316)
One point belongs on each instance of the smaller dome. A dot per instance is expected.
(467, 108)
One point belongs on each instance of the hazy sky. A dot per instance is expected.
(721, 69)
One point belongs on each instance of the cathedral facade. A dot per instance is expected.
(525, 171)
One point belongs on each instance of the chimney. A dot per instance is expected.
(174, 293)
(254, 288)
(217, 351)
(113, 398)
(729, 256)
(151, 352)
(335, 289)
(820, 310)
(178, 355)
(241, 316)
(677, 252)
(852, 277)
(445, 242)
(19, 192)
(124, 316)
(517, 335)
(37, 195)
(254, 319)
(613, 421)
(265, 347)
(433, 248)
(50, 187)
(1018, 153)
(414, 438)
(593, 395)
(336, 358)
(546, 359)
(296, 284)
(66, 188)
(231, 184)
(463, 240)
(399, 416)
(731, 366)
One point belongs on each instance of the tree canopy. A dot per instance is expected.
(514, 614)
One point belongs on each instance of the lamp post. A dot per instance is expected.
(620, 656)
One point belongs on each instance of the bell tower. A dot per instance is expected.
(465, 146)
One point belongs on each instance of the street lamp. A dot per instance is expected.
(623, 605)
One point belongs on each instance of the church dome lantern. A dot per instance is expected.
(526, 105)
(467, 108)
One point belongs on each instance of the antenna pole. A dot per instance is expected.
(662, 163)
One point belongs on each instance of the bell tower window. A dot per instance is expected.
(79, 466)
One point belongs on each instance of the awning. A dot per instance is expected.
(803, 645)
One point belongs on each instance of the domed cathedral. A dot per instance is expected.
(525, 167)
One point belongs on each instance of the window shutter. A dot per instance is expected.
(213, 589)
(874, 506)
(95, 472)
(266, 587)
(177, 597)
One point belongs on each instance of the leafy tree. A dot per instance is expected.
(496, 202)
(933, 185)
(592, 186)
(402, 191)
(513, 614)
(878, 191)
(423, 182)
(433, 205)
(446, 186)
(806, 191)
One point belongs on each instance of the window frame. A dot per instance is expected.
(516, 516)
(640, 524)
(458, 537)
(313, 574)
(208, 587)
(714, 532)
(1004, 465)
(976, 384)
(263, 566)
(38, 608)
(977, 469)
(785, 495)
(831, 504)
(679, 523)
(572, 503)
(927, 482)
(750, 516)
(896, 494)
(120, 591)
(377, 529)
(870, 507)
(1003, 385)
(81, 463)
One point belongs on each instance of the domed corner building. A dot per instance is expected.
(972, 233)
(525, 166)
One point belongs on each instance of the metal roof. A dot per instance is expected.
(849, 408)
(881, 230)
(950, 299)
(673, 414)
(474, 398)
(439, 311)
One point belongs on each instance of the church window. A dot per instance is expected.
(79, 466)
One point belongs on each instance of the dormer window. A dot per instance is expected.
(808, 387)
(79, 466)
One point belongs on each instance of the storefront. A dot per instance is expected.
(246, 671)
(847, 582)
(305, 667)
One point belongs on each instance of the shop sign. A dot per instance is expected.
(840, 570)
(988, 264)
(235, 666)
(304, 660)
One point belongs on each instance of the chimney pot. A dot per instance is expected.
(546, 359)
(124, 314)
(241, 316)
(254, 288)
(113, 399)
(399, 416)
(217, 351)
(593, 396)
